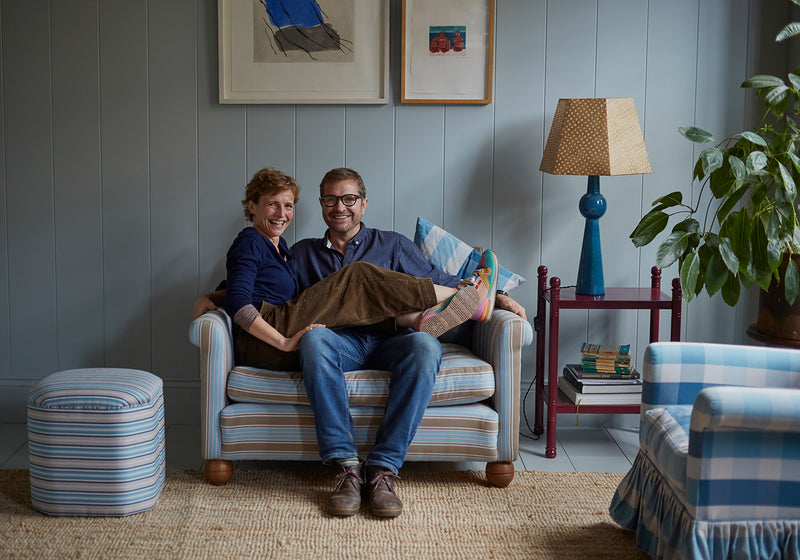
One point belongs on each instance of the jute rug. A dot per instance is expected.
(280, 514)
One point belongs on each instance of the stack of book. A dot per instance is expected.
(591, 387)
(600, 358)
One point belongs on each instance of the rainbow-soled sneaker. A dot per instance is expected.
(484, 280)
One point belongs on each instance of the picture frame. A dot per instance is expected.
(303, 52)
(447, 51)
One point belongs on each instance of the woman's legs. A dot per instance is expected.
(357, 294)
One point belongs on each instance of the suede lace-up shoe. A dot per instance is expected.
(346, 497)
(382, 500)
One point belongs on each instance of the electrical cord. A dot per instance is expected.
(536, 326)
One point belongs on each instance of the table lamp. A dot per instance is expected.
(594, 137)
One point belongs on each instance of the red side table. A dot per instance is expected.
(547, 393)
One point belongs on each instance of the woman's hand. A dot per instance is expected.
(509, 304)
(293, 342)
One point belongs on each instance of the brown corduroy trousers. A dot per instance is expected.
(355, 295)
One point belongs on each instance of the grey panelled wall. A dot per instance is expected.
(121, 174)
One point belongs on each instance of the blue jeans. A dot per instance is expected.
(413, 360)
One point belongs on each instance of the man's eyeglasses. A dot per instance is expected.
(331, 200)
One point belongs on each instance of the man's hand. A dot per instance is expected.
(201, 305)
(510, 304)
(208, 302)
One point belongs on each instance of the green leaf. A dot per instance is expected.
(730, 202)
(695, 134)
(755, 161)
(791, 281)
(730, 290)
(762, 81)
(712, 160)
(689, 271)
(728, 256)
(737, 167)
(689, 225)
(716, 274)
(668, 201)
(754, 138)
(673, 248)
(650, 225)
(788, 182)
(795, 79)
(776, 96)
(789, 31)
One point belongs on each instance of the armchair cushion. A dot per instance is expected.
(463, 378)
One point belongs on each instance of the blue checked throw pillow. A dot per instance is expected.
(447, 252)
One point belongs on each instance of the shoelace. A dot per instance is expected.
(383, 476)
(344, 475)
(475, 278)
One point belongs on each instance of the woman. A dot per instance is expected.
(269, 320)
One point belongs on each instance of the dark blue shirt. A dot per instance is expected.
(258, 271)
(314, 259)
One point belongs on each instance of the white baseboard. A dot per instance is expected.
(181, 400)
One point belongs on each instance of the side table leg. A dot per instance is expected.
(552, 368)
(539, 326)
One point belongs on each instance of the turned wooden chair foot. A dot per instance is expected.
(500, 473)
(219, 471)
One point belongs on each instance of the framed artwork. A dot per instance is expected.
(303, 51)
(447, 49)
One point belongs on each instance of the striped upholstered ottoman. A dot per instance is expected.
(96, 442)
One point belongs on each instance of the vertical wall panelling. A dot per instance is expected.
(519, 131)
(468, 165)
(124, 113)
(671, 59)
(320, 147)
(562, 224)
(621, 70)
(172, 71)
(5, 323)
(720, 109)
(369, 149)
(271, 143)
(76, 183)
(121, 175)
(419, 166)
(222, 160)
(29, 184)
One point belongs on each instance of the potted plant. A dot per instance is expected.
(743, 225)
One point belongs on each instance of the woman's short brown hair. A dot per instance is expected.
(268, 181)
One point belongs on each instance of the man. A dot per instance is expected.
(412, 358)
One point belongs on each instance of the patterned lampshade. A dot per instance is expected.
(595, 137)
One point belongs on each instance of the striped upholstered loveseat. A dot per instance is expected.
(255, 414)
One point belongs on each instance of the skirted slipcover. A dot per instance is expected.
(718, 470)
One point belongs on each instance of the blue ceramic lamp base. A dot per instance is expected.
(590, 269)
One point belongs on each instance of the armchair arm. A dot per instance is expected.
(499, 341)
(211, 333)
(676, 372)
(743, 449)
(752, 408)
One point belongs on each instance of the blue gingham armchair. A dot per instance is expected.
(718, 470)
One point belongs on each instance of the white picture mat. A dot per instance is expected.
(446, 77)
(363, 81)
